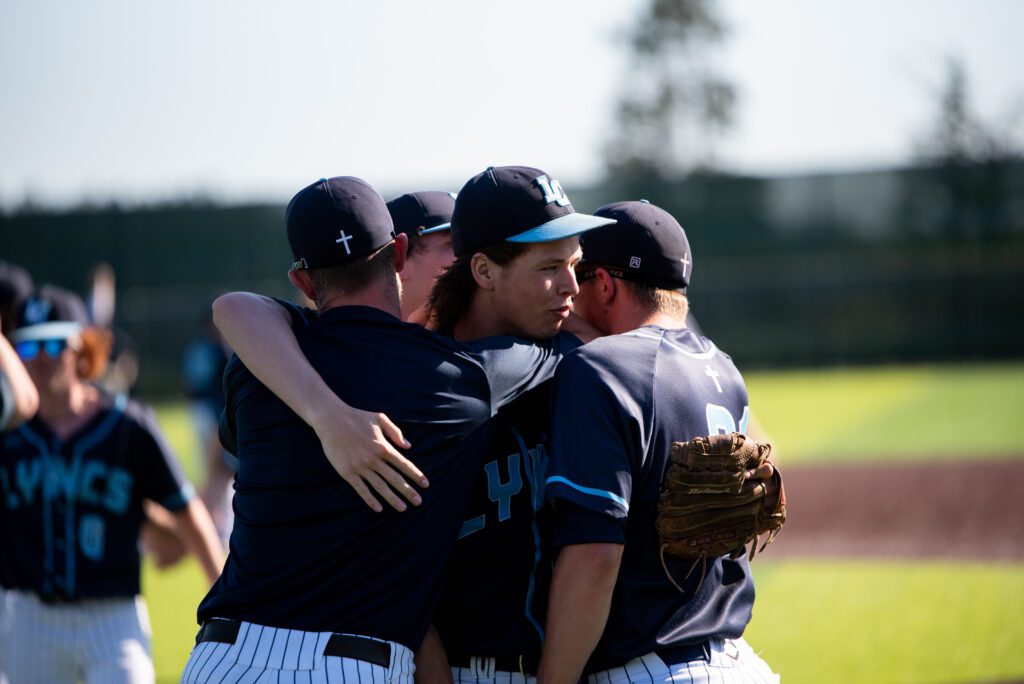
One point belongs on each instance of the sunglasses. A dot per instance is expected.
(29, 349)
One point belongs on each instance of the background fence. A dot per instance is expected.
(900, 265)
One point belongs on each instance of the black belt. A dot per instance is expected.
(523, 664)
(340, 645)
(670, 655)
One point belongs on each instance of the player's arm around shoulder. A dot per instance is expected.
(360, 445)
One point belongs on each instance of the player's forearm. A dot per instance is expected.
(24, 396)
(200, 537)
(260, 332)
(432, 660)
(581, 596)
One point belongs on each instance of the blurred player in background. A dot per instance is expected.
(74, 480)
(16, 286)
(202, 370)
(123, 366)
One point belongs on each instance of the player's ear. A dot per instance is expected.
(401, 251)
(484, 271)
(301, 280)
(607, 288)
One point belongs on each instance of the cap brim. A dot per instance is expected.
(55, 330)
(436, 229)
(562, 227)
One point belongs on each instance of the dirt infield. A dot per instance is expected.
(955, 510)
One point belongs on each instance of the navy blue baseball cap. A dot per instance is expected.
(645, 244)
(514, 204)
(422, 213)
(51, 313)
(336, 220)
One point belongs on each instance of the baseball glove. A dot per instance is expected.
(705, 511)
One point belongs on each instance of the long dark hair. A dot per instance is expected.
(453, 292)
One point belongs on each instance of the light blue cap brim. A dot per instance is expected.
(436, 229)
(562, 227)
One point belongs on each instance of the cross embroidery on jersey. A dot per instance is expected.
(344, 241)
(713, 374)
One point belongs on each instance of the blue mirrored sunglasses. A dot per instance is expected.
(29, 349)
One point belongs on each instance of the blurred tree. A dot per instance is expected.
(958, 135)
(673, 104)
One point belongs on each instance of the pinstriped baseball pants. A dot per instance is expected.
(98, 641)
(288, 656)
(482, 671)
(732, 660)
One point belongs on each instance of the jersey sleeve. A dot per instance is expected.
(574, 524)
(235, 374)
(300, 315)
(596, 440)
(516, 365)
(161, 476)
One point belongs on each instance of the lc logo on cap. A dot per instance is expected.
(552, 191)
(515, 204)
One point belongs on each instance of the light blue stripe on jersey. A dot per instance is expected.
(534, 475)
(558, 479)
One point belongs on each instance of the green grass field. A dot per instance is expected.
(819, 621)
(906, 412)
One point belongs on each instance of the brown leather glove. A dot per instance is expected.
(708, 508)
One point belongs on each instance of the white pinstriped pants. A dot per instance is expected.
(482, 671)
(732, 660)
(288, 656)
(98, 641)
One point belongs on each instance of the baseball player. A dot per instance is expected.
(72, 485)
(317, 584)
(514, 234)
(614, 615)
(426, 218)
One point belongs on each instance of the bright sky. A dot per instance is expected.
(140, 101)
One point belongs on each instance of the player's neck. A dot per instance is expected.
(384, 298)
(627, 320)
(66, 411)
(481, 320)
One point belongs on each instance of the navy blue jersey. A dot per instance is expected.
(71, 509)
(620, 402)
(306, 552)
(496, 594)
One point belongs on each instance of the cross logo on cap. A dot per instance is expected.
(344, 241)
